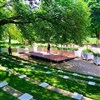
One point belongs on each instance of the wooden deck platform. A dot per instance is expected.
(51, 57)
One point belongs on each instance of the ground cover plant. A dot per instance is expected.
(24, 86)
(6, 96)
(39, 75)
(97, 54)
(40, 67)
(6, 44)
(90, 40)
(87, 51)
(66, 84)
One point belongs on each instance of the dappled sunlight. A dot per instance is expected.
(92, 91)
(4, 96)
(53, 78)
(49, 49)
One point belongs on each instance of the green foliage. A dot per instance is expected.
(63, 24)
(38, 92)
(68, 49)
(87, 51)
(97, 54)
(95, 16)
(90, 40)
(33, 89)
(56, 21)
(22, 46)
(4, 95)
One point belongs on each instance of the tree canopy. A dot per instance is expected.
(95, 17)
(56, 21)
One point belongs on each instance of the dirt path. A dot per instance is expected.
(81, 66)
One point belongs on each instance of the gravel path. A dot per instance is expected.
(78, 65)
(82, 66)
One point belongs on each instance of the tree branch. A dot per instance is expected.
(7, 21)
(5, 4)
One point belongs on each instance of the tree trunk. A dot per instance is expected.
(98, 37)
(9, 39)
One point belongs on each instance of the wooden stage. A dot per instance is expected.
(51, 57)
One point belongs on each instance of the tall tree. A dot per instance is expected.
(95, 17)
(66, 22)
(58, 21)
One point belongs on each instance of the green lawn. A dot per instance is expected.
(38, 92)
(66, 84)
(6, 96)
(6, 44)
(90, 41)
(55, 80)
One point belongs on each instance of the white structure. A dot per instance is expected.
(2, 84)
(91, 83)
(26, 50)
(35, 47)
(90, 77)
(77, 96)
(95, 50)
(65, 77)
(96, 60)
(21, 50)
(44, 84)
(33, 68)
(26, 96)
(48, 72)
(78, 53)
(75, 74)
(87, 56)
(22, 76)
(60, 71)
(30, 50)
(45, 67)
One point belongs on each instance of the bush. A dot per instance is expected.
(96, 54)
(3, 46)
(22, 46)
(68, 49)
(87, 51)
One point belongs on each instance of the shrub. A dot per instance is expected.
(22, 46)
(87, 51)
(96, 54)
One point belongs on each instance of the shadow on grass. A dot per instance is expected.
(13, 61)
(6, 96)
(38, 92)
(73, 86)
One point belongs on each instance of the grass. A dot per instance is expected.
(66, 48)
(17, 44)
(38, 92)
(97, 54)
(90, 41)
(6, 44)
(70, 85)
(87, 51)
(6, 96)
